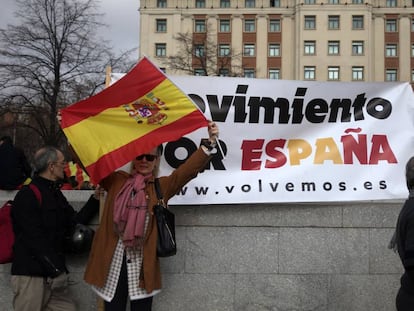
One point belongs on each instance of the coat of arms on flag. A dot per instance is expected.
(137, 113)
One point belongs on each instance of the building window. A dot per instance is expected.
(274, 49)
(412, 75)
(160, 49)
(161, 25)
(309, 47)
(224, 3)
(333, 22)
(199, 72)
(161, 3)
(249, 25)
(200, 3)
(199, 25)
(333, 73)
(391, 50)
(310, 2)
(224, 25)
(357, 1)
(412, 50)
(412, 24)
(333, 47)
(249, 50)
(310, 22)
(274, 25)
(224, 50)
(309, 72)
(390, 75)
(333, 2)
(391, 25)
(391, 3)
(248, 73)
(357, 47)
(224, 72)
(357, 73)
(357, 22)
(274, 74)
(274, 3)
(199, 50)
(250, 3)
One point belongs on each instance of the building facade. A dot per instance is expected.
(321, 40)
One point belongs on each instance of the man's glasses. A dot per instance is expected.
(148, 157)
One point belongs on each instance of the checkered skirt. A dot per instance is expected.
(134, 264)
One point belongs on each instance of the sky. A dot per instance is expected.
(121, 16)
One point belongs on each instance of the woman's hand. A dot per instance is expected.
(213, 132)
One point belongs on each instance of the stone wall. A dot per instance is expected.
(315, 256)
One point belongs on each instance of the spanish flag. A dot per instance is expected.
(137, 113)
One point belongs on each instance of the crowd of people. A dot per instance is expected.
(123, 264)
(16, 170)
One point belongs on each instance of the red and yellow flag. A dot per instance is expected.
(132, 116)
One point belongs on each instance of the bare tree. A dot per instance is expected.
(51, 59)
(200, 54)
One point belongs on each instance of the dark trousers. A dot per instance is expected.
(119, 302)
(404, 301)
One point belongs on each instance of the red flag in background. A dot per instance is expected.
(137, 113)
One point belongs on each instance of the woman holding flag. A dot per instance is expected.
(123, 261)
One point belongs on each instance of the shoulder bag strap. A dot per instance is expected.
(36, 192)
(158, 191)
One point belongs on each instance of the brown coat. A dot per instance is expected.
(106, 238)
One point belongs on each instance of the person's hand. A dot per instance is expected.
(98, 192)
(59, 282)
(59, 116)
(213, 132)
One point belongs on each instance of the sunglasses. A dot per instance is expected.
(148, 157)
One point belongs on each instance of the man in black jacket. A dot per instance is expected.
(14, 167)
(404, 239)
(39, 273)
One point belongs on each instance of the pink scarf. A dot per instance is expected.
(130, 210)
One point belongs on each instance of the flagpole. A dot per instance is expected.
(108, 71)
(221, 149)
(108, 76)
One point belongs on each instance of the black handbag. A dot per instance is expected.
(166, 244)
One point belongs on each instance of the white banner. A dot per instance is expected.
(296, 141)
